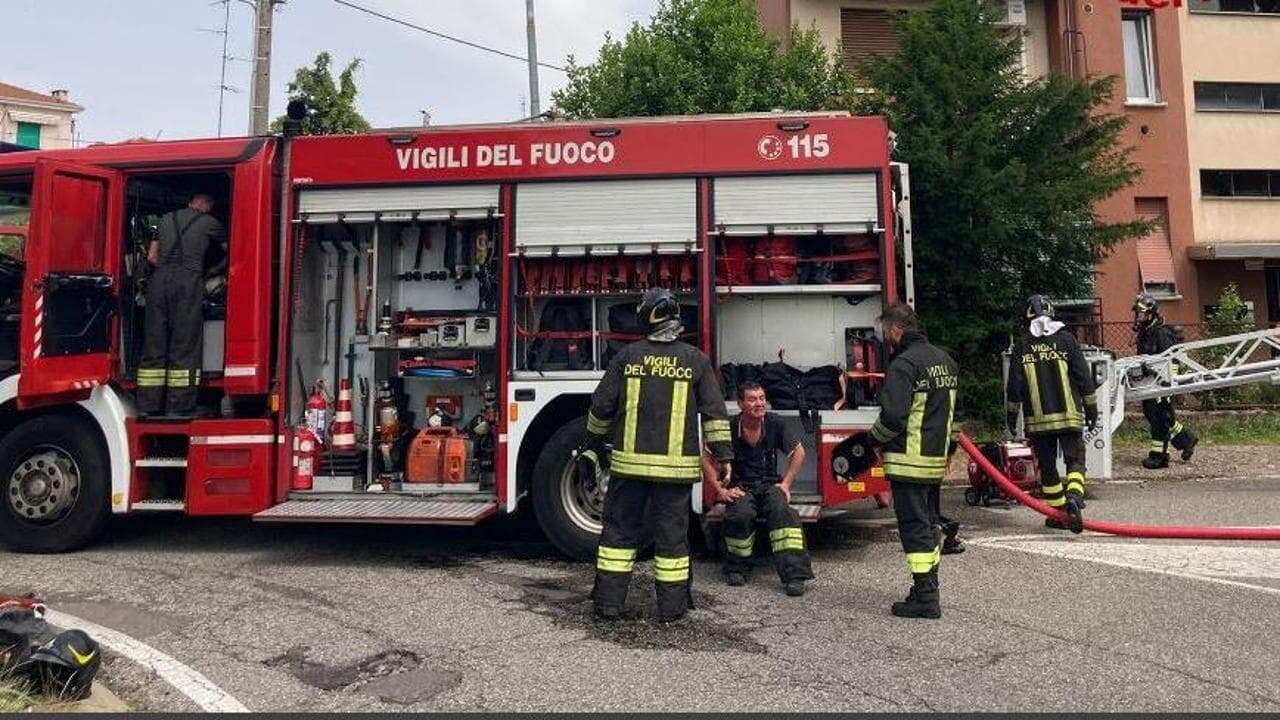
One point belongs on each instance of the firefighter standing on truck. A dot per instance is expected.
(173, 331)
(1049, 383)
(1154, 337)
(917, 404)
(648, 404)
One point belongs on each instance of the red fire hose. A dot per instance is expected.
(1112, 528)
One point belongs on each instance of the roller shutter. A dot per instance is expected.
(634, 216)
(428, 202)
(797, 204)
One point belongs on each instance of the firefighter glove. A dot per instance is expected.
(1091, 417)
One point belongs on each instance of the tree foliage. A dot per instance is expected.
(331, 103)
(704, 56)
(1006, 175)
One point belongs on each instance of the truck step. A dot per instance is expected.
(380, 510)
(160, 462)
(158, 506)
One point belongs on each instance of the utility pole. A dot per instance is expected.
(534, 104)
(222, 81)
(260, 96)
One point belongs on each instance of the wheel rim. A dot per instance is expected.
(44, 485)
(583, 501)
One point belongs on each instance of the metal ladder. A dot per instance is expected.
(1176, 372)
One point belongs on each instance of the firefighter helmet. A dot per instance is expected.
(658, 306)
(1038, 306)
(65, 666)
(1146, 311)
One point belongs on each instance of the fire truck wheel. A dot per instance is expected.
(55, 484)
(569, 511)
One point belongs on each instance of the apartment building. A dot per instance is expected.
(1231, 59)
(1200, 85)
(36, 120)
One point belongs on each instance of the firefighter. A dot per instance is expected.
(647, 405)
(757, 491)
(1051, 386)
(173, 333)
(913, 431)
(1154, 337)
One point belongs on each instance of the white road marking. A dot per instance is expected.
(189, 682)
(1216, 563)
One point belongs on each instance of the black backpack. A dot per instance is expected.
(563, 339)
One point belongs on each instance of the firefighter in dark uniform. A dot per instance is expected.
(917, 404)
(758, 491)
(1050, 385)
(648, 405)
(173, 333)
(1154, 337)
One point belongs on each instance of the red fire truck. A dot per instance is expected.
(457, 290)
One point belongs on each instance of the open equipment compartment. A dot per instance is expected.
(799, 286)
(396, 295)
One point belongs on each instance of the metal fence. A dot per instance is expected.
(1120, 337)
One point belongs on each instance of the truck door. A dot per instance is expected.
(70, 295)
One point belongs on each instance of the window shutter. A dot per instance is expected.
(865, 33)
(1155, 256)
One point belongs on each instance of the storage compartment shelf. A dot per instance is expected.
(829, 289)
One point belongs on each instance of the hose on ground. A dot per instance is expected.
(1113, 528)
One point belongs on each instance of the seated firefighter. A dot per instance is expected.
(755, 490)
(173, 331)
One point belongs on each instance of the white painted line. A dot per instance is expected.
(197, 687)
(1041, 543)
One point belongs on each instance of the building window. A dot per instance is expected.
(1273, 293)
(1155, 254)
(1254, 7)
(864, 33)
(1255, 97)
(1240, 183)
(29, 135)
(1139, 58)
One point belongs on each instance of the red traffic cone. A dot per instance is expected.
(343, 435)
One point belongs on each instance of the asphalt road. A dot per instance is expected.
(325, 618)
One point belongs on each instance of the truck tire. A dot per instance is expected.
(55, 485)
(570, 514)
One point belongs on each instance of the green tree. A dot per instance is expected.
(1006, 173)
(331, 104)
(1230, 316)
(704, 56)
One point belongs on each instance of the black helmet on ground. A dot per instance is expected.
(65, 666)
(1038, 306)
(658, 306)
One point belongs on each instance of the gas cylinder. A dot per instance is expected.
(306, 450)
(387, 413)
(317, 413)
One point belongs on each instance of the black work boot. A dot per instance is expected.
(951, 542)
(1075, 512)
(922, 601)
(1186, 441)
(608, 613)
(1156, 461)
(795, 588)
(735, 577)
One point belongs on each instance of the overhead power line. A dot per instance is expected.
(439, 34)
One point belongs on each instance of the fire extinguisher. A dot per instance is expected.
(317, 413)
(306, 450)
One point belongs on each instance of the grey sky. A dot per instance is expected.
(142, 67)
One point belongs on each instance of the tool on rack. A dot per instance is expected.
(424, 242)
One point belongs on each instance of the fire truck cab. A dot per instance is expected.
(412, 321)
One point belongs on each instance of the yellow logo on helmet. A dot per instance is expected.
(82, 660)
